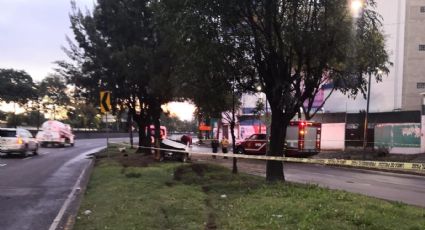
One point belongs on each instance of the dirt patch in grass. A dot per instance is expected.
(136, 160)
(197, 169)
(211, 216)
(194, 174)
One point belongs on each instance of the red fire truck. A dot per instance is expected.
(302, 139)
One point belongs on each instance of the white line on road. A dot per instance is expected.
(26, 158)
(2, 165)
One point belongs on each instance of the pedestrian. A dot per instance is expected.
(214, 146)
(186, 139)
(224, 145)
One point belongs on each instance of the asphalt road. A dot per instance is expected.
(409, 189)
(33, 189)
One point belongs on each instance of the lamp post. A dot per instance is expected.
(267, 126)
(261, 97)
(366, 116)
(266, 117)
(232, 126)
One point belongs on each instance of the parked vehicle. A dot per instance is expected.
(55, 133)
(17, 141)
(302, 139)
(162, 133)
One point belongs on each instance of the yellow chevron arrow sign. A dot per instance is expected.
(105, 101)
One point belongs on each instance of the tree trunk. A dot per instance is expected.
(157, 124)
(274, 171)
(232, 132)
(143, 140)
(130, 128)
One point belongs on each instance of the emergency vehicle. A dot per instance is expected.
(302, 139)
(55, 133)
(162, 132)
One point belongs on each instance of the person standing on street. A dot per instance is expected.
(224, 145)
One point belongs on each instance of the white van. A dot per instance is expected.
(17, 141)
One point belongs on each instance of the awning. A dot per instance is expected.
(204, 128)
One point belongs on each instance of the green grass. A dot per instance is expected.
(188, 196)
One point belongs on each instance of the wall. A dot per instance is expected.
(333, 136)
(414, 68)
(398, 138)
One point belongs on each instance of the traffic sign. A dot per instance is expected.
(105, 101)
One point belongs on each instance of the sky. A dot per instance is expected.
(32, 33)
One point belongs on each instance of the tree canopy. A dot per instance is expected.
(291, 49)
(55, 89)
(16, 86)
(150, 52)
(131, 49)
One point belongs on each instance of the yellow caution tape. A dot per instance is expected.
(340, 162)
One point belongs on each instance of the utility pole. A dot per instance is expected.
(366, 117)
(232, 126)
(267, 127)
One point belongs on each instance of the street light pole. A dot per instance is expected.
(232, 126)
(366, 117)
(267, 128)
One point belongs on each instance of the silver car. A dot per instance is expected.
(17, 141)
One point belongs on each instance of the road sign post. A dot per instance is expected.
(105, 107)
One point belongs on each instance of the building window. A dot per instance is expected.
(422, 47)
(420, 85)
(352, 126)
(422, 9)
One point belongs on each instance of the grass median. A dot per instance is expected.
(135, 192)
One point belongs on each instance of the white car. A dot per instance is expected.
(17, 141)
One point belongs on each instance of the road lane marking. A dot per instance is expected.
(2, 165)
(26, 158)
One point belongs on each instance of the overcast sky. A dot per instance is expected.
(32, 33)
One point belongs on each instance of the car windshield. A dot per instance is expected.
(7, 133)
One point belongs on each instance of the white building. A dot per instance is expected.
(404, 27)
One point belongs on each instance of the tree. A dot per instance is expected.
(33, 118)
(54, 87)
(123, 48)
(83, 115)
(3, 115)
(174, 124)
(294, 48)
(16, 86)
(53, 94)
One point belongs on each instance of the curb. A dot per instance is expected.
(66, 221)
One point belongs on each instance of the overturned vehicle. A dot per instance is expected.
(174, 150)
